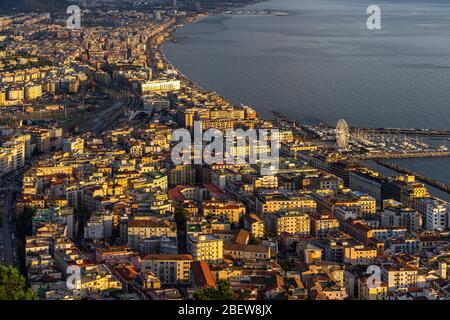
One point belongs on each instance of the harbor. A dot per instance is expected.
(381, 143)
(404, 155)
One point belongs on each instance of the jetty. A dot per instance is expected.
(407, 155)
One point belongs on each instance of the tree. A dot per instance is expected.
(269, 234)
(246, 294)
(23, 228)
(286, 265)
(180, 217)
(222, 292)
(13, 285)
(254, 241)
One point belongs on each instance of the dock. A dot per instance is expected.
(401, 131)
(404, 155)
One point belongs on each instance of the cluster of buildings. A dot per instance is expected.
(114, 218)
(32, 68)
(18, 145)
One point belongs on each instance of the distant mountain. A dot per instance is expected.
(33, 5)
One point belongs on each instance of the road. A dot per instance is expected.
(7, 240)
(101, 122)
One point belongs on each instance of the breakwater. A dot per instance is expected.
(432, 182)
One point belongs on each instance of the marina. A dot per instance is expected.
(382, 143)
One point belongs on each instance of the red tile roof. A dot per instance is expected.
(202, 274)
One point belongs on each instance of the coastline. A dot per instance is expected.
(284, 44)
(189, 82)
(183, 77)
(197, 19)
(281, 115)
(386, 129)
(160, 50)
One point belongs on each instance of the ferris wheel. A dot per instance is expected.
(342, 135)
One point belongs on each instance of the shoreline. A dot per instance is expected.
(169, 63)
(190, 83)
(183, 77)
(387, 130)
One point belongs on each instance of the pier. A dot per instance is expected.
(407, 155)
(432, 182)
(396, 131)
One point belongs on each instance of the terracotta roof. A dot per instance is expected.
(202, 274)
(252, 218)
(242, 237)
(127, 272)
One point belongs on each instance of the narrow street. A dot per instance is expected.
(6, 233)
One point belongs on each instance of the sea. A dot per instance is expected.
(321, 63)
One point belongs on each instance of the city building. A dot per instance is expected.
(205, 247)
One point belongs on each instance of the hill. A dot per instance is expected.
(33, 5)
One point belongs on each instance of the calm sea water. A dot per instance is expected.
(321, 63)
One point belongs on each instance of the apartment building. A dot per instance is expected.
(396, 276)
(171, 269)
(360, 255)
(322, 224)
(435, 213)
(99, 227)
(293, 222)
(400, 216)
(205, 247)
(246, 251)
(146, 228)
(229, 210)
(255, 225)
(274, 202)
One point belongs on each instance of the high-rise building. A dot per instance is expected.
(436, 213)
